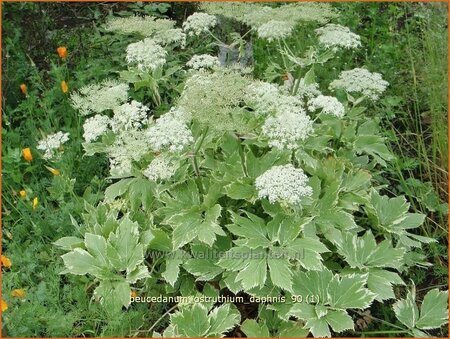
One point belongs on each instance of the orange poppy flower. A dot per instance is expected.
(26, 152)
(54, 171)
(134, 294)
(23, 89)
(6, 262)
(4, 305)
(62, 52)
(35, 203)
(23, 194)
(64, 86)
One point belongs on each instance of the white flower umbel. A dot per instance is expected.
(307, 92)
(99, 97)
(129, 146)
(360, 80)
(328, 105)
(283, 184)
(129, 116)
(275, 30)
(147, 55)
(171, 36)
(198, 23)
(203, 62)
(169, 133)
(145, 26)
(95, 127)
(180, 114)
(335, 36)
(262, 97)
(161, 168)
(51, 144)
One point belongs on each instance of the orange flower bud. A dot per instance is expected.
(62, 52)
(54, 171)
(4, 305)
(6, 262)
(26, 152)
(18, 293)
(23, 89)
(23, 194)
(64, 86)
(134, 294)
(35, 203)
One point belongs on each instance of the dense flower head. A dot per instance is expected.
(328, 105)
(169, 133)
(161, 168)
(198, 23)
(284, 184)
(100, 97)
(307, 92)
(129, 146)
(335, 36)
(170, 36)
(262, 97)
(147, 55)
(51, 143)
(360, 80)
(145, 26)
(202, 62)
(274, 30)
(129, 116)
(287, 129)
(95, 126)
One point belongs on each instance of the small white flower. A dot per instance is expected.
(99, 97)
(335, 36)
(274, 30)
(262, 96)
(328, 105)
(51, 143)
(129, 116)
(198, 23)
(169, 133)
(202, 62)
(283, 184)
(175, 35)
(360, 80)
(95, 127)
(145, 26)
(287, 129)
(307, 92)
(161, 168)
(146, 54)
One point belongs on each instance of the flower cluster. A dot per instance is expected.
(328, 105)
(161, 168)
(360, 80)
(169, 133)
(95, 127)
(129, 116)
(335, 36)
(285, 130)
(99, 97)
(202, 62)
(51, 144)
(283, 184)
(170, 36)
(262, 97)
(145, 26)
(147, 55)
(198, 23)
(275, 30)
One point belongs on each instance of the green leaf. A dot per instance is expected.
(117, 189)
(339, 321)
(255, 272)
(203, 269)
(237, 190)
(80, 262)
(254, 330)
(69, 243)
(434, 310)
(380, 282)
(192, 322)
(406, 310)
(349, 292)
(280, 273)
(172, 270)
(253, 229)
(113, 295)
(223, 319)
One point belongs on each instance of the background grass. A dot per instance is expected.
(406, 42)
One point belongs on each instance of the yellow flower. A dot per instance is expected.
(54, 171)
(18, 293)
(26, 152)
(6, 262)
(35, 203)
(64, 86)
(23, 194)
(23, 88)
(62, 52)
(4, 306)
(134, 294)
